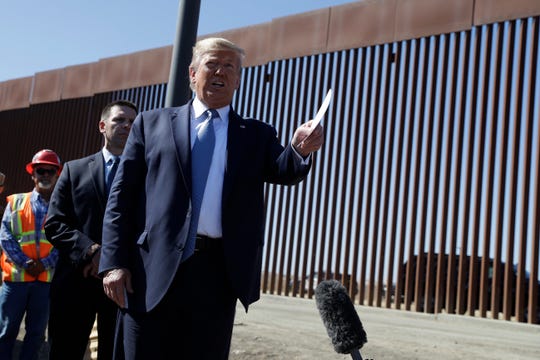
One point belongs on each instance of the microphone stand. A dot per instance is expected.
(356, 355)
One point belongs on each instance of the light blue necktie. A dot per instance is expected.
(112, 171)
(201, 158)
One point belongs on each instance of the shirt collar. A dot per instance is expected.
(198, 108)
(106, 154)
(37, 197)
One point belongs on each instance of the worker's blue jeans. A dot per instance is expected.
(16, 298)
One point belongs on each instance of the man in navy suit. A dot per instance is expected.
(179, 302)
(73, 226)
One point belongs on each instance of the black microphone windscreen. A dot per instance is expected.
(339, 317)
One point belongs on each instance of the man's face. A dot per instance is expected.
(44, 177)
(116, 127)
(216, 77)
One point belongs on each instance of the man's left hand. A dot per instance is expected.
(91, 269)
(305, 141)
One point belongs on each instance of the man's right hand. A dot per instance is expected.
(34, 267)
(116, 283)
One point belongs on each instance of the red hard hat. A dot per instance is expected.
(47, 157)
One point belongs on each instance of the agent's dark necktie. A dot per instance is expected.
(201, 158)
(115, 160)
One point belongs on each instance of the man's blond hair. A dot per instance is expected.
(214, 44)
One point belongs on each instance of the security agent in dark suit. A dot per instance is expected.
(178, 287)
(73, 226)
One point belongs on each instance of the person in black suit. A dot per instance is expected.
(73, 226)
(2, 183)
(177, 268)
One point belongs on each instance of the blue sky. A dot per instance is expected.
(37, 35)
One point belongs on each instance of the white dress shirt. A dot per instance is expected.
(210, 215)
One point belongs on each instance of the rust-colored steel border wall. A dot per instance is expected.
(353, 25)
(69, 127)
(426, 193)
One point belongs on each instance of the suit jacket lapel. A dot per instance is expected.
(236, 137)
(180, 122)
(97, 173)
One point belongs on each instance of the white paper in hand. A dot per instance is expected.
(321, 112)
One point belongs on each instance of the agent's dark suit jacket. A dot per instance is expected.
(149, 210)
(75, 216)
(74, 223)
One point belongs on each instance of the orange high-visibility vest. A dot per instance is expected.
(23, 227)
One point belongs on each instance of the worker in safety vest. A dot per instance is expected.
(27, 260)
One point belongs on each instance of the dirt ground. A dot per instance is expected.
(278, 327)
